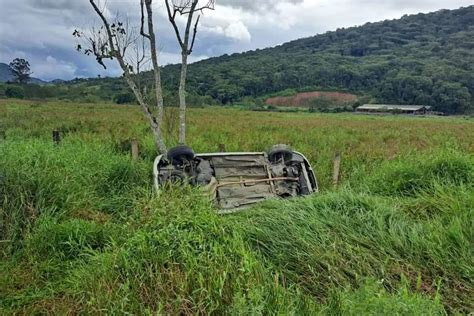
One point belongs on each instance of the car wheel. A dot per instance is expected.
(279, 152)
(179, 154)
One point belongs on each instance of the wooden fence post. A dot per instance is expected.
(222, 148)
(56, 137)
(336, 169)
(134, 148)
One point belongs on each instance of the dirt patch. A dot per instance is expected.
(305, 98)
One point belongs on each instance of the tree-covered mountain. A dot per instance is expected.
(419, 59)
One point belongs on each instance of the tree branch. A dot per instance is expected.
(154, 60)
(188, 25)
(155, 123)
(142, 24)
(172, 19)
(106, 24)
(190, 50)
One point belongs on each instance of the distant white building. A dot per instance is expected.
(395, 109)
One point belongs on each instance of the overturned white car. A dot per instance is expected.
(238, 179)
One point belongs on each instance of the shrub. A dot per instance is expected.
(125, 98)
(2, 90)
(14, 92)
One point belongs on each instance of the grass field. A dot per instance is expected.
(81, 230)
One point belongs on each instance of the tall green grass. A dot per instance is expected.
(182, 258)
(175, 255)
(345, 237)
(410, 175)
(41, 179)
(81, 230)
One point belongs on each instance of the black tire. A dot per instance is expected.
(296, 159)
(177, 155)
(278, 152)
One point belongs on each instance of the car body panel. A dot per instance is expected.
(239, 179)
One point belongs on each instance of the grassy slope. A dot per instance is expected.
(82, 231)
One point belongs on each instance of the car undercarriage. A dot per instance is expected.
(236, 180)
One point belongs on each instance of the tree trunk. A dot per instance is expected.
(182, 99)
(155, 127)
(154, 60)
(155, 123)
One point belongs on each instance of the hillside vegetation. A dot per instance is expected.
(419, 59)
(81, 230)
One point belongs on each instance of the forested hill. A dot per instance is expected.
(419, 59)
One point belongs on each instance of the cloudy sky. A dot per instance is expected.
(41, 30)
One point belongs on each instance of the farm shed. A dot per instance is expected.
(400, 109)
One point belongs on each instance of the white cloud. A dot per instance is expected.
(234, 30)
(261, 5)
(238, 31)
(52, 68)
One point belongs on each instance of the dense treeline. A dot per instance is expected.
(91, 91)
(420, 59)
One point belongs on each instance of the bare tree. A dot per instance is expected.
(186, 41)
(113, 40)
